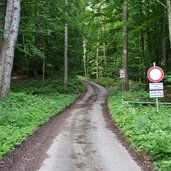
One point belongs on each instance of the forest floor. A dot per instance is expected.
(82, 137)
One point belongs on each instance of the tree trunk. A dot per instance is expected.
(163, 41)
(149, 36)
(9, 40)
(44, 43)
(142, 51)
(97, 62)
(66, 51)
(104, 46)
(105, 60)
(125, 44)
(26, 58)
(85, 57)
(169, 17)
(43, 67)
(5, 38)
(2, 13)
(141, 42)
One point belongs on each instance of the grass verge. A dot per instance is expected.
(30, 105)
(148, 131)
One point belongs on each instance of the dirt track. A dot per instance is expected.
(79, 139)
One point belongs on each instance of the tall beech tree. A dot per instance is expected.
(169, 16)
(125, 43)
(66, 47)
(9, 39)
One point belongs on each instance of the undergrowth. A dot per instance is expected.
(28, 106)
(148, 131)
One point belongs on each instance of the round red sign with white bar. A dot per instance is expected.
(155, 74)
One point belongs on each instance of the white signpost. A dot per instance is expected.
(122, 76)
(155, 74)
(122, 73)
(156, 94)
(156, 86)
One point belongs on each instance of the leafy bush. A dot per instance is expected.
(50, 86)
(147, 130)
(108, 82)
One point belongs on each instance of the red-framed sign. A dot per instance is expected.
(155, 74)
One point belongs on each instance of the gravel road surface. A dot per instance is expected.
(85, 143)
(78, 139)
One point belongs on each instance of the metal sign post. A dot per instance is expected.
(122, 90)
(157, 105)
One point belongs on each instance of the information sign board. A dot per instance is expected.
(156, 94)
(156, 86)
(122, 73)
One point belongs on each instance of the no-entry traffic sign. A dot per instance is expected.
(155, 74)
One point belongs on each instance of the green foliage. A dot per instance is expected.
(140, 95)
(164, 165)
(41, 36)
(147, 130)
(108, 82)
(29, 106)
(168, 77)
(38, 87)
(146, 30)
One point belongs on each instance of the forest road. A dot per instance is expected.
(85, 143)
(78, 139)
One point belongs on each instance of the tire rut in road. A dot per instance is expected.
(85, 143)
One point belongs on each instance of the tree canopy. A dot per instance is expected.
(95, 37)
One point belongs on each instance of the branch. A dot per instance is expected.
(161, 3)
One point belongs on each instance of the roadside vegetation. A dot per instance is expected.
(148, 131)
(29, 105)
(91, 38)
